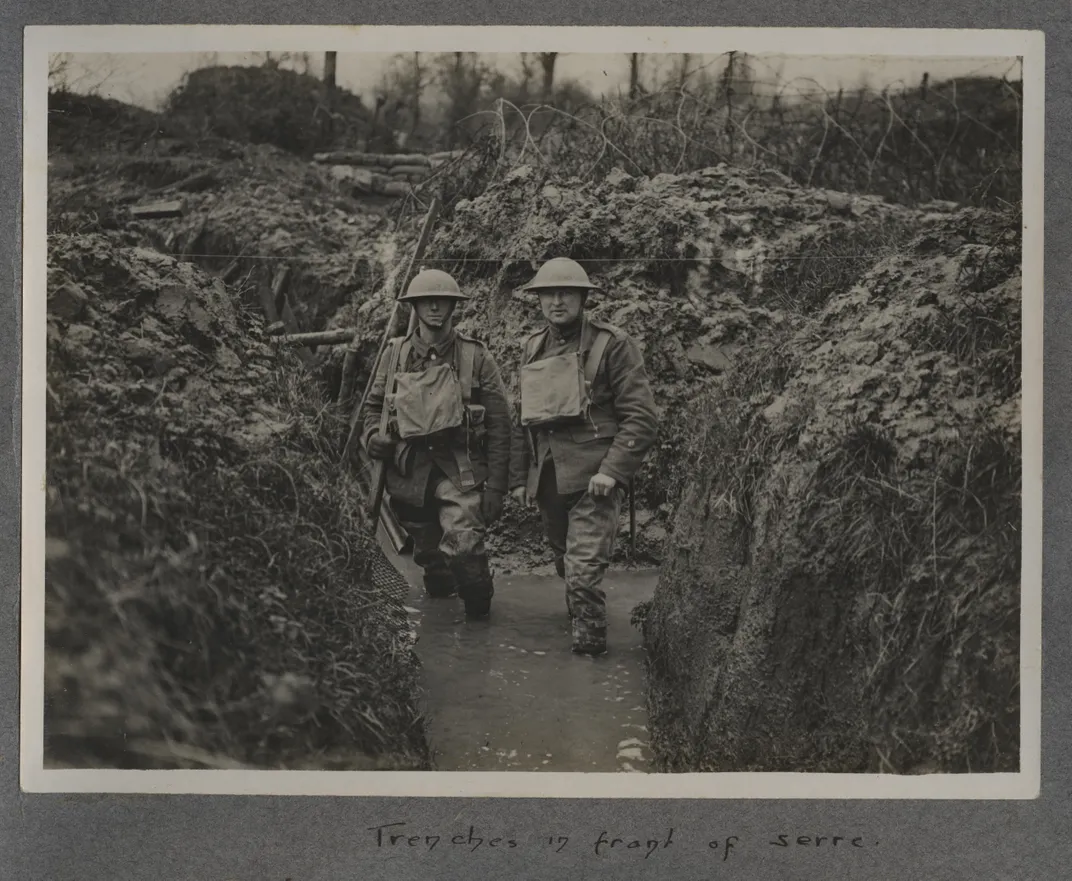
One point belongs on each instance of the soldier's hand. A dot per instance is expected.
(520, 495)
(380, 446)
(601, 485)
(491, 506)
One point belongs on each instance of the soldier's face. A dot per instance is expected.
(562, 306)
(434, 311)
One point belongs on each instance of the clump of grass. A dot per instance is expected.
(829, 263)
(726, 419)
(937, 554)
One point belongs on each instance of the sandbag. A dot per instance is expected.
(409, 171)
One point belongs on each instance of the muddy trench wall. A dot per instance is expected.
(841, 591)
(202, 531)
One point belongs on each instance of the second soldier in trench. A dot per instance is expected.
(447, 450)
(587, 420)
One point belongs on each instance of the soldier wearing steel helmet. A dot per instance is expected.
(447, 449)
(587, 419)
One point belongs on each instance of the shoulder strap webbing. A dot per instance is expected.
(532, 346)
(402, 350)
(595, 355)
(393, 362)
(466, 359)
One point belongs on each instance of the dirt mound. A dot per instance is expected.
(271, 105)
(211, 595)
(842, 583)
(248, 211)
(89, 122)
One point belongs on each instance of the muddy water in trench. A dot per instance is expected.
(506, 694)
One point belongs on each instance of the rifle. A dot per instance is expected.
(379, 475)
(632, 519)
(379, 469)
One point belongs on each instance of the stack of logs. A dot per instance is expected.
(384, 174)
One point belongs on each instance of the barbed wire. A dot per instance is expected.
(908, 143)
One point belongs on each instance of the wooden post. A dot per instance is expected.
(264, 292)
(193, 238)
(277, 306)
(229, 273)
(279, 290)
(329, 72)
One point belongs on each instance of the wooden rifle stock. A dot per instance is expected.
(632, 518)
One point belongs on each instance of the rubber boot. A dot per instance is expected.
(475, 585)
(476, 608)
(589, 637)
(440, 585)
(560, 568)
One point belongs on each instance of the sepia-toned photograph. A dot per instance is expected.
(648, 414)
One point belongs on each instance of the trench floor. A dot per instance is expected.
(507, 694)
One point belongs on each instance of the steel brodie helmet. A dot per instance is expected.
(433, 283)
(560, 272)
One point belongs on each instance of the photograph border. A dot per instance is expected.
(40, 42)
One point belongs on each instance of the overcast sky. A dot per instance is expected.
(146, 79)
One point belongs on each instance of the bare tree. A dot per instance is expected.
(728, 90)
(418, 81)
(462, 78)
(59, 66)
(547, 62)
(634, 76)
(406, 79)
(524, 80)
(683, 73)
(70, 74)
(330, 59)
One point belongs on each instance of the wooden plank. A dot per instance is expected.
(396, 189)
(318, 337)
(368, 160)
(155, 210)
(409, 170)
